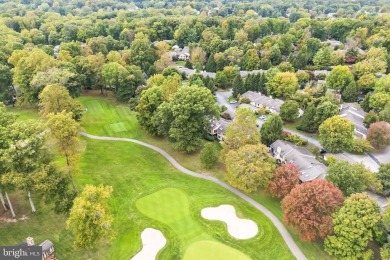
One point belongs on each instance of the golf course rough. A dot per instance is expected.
(171, 207)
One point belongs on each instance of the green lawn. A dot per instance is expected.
(181, 63)
(171, 206)
(135, 172)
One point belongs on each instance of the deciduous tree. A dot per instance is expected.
(209, 155)
(384, 176)
(339, 78)
(149, 101)
(336, 134)
(355, 224)
(185, 117)
(309, 208)
(285, 178)
(55, 99)
(89, 219)
(348, 178)
(289, 111)
(379, 134)
(241, 131)
(66, 139)
(282, 84)
(249, 167)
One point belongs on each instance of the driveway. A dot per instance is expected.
(368, 160)
(222, 97)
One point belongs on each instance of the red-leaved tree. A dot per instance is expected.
(308, 208)
(379, 134)
(284, 180)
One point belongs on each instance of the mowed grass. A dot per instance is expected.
(145, 195)
(171, 207)
(213, 250)
(116, 112)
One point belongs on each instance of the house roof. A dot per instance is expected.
(303, 159)
(223, 126)
(266, 101)
(46, 245)
(219, 124)
(356, 115)
(333, 43)
(248, 106)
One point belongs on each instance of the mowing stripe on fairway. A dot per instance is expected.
(281, 228)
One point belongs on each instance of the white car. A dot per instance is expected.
(233, 102)
(263, 117)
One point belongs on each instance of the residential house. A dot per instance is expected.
(321, 72)
(218, 128)
(306, 162)
(252, 108)
(184, 54)
(356, 115)
(259, 100)
(333, 43)
(56, 51)
(47, 248)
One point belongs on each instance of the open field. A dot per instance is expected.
(125, 167)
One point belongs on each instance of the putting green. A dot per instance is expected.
(213, 250)
(171, 207)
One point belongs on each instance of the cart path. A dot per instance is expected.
(281, 228)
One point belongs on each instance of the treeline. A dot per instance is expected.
(264, 8)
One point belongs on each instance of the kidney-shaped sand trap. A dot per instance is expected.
(237, 227)
(153, 241)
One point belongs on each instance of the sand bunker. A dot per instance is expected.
(237, 227)
(153, 241)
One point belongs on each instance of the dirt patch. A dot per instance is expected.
(12, 220)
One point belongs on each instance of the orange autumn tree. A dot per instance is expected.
(309, 208)
(286, 177)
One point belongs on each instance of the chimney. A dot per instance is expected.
(30, 241)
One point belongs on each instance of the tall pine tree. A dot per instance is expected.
(210, 64)
(238, 86)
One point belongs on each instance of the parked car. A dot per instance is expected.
(263, 117)
(233, 101)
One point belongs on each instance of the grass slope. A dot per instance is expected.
(95, 121)
(191, 161)
(171, 207)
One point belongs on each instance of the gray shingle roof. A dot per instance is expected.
(356, 115)
(303, 159)
(258, 98)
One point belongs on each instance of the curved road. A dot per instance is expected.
(281, 228)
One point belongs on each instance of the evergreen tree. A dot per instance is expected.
(210, 64)
(351, 92)
(260, 81)
(248, 82)
(365, 104)
(308, 123)
(238, 86)
(271, 129)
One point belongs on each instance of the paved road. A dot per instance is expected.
(281, 228)
(369, 162)
(222, 97)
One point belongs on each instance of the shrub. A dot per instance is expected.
(223, 108)
(360, 146)
(209, 155)
(295, 139)
(226, 116)
(244, 100)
